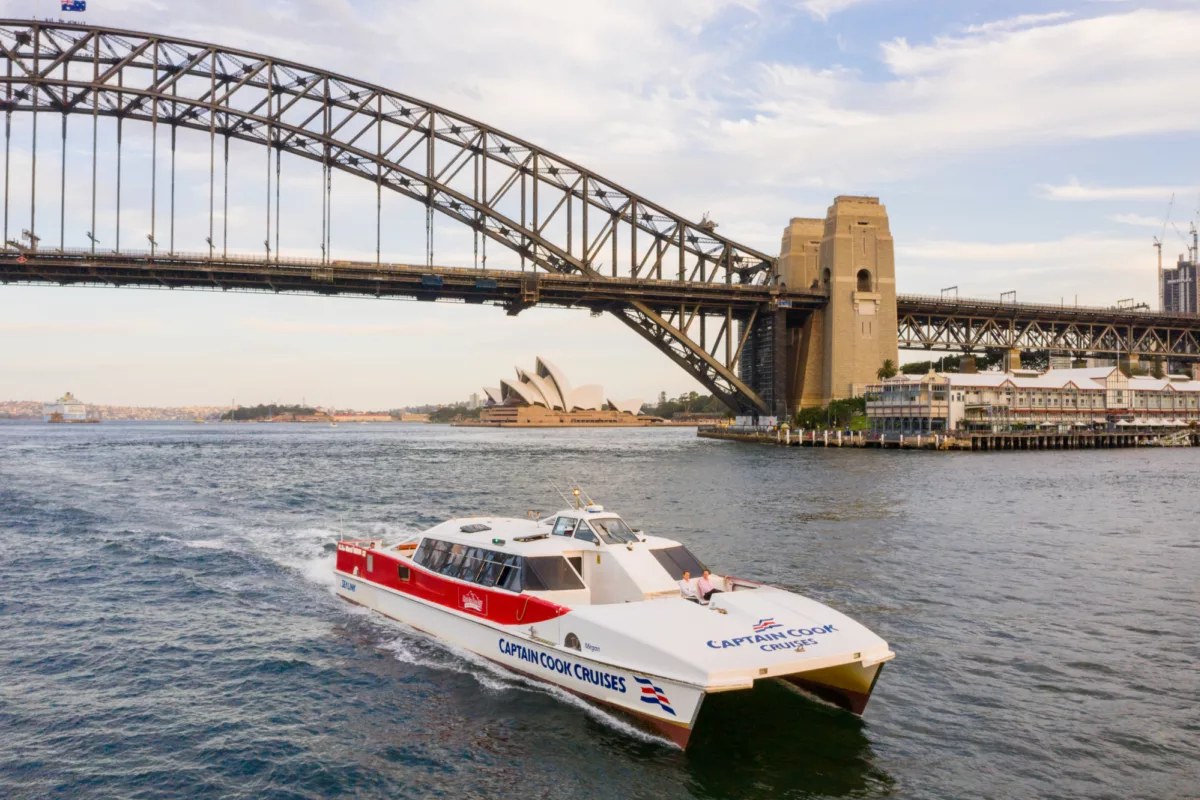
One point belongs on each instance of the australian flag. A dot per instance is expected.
(74, 5)
(654, 695)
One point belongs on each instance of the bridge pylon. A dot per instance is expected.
(832, 353)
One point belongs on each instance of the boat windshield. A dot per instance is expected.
(677, 560)
(613, 530)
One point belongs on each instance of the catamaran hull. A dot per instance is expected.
(668, 707)
(846, 685)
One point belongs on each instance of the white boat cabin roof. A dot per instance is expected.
(568, 531)
(552, 556)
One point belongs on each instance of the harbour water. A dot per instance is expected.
(169, 627)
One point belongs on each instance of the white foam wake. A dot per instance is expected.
(412, 646)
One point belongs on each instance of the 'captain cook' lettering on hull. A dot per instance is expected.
(562, 666)
(780, 640)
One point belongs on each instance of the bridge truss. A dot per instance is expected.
(556, 216)
(932, 323)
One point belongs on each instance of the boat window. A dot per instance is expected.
(490, 571)
(577, 563)
(550, 574)
(453, 565)
(585, 533)
(472, 562)
(614, 530)
(676, 560)
(563, 526)
(511, 574)
(432, 554)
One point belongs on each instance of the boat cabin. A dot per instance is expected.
(578, 556)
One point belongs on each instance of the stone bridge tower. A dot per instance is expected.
(836, 351)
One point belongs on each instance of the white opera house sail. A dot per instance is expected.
(544, 398)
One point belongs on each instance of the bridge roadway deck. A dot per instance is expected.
(929, 323)
(510, 288)
(1027, 312)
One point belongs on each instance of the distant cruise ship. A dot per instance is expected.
(67, 409)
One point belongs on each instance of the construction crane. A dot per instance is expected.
(1158, 243)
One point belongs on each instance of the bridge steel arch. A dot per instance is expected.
(554, 214)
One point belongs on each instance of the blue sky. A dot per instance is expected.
(1017, 145)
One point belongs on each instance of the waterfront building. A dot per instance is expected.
(544, 398)
(1060, 400)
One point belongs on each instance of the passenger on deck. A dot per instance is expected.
(705, 586)
(687, 588)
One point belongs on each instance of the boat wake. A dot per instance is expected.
(416, 648)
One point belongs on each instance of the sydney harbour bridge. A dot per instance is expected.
(765, 333)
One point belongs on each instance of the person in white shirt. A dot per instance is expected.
(687, 588)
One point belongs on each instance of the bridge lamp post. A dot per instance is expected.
(950, 289)
(153, 244)
(1011, 294)
(92, 238)
(267, 244)
(209, 240)
(32, 237)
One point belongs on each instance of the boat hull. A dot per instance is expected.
(846, 685)
(665, 706)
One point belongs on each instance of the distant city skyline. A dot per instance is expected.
(1015, 147)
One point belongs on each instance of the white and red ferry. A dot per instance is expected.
(580, 600)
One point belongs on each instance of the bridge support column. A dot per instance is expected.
(836, 351)
(1012, 360)
(800, 268)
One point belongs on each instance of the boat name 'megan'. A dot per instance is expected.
(562, 666)
(780, 640)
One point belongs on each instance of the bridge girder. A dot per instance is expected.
(555, 215)
(971, 325)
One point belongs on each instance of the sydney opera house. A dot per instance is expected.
(544, 398)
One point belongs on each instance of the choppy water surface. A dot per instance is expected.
(169, 627)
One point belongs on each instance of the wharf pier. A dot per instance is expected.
(975, 441)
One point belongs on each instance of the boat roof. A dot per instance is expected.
(527, 537)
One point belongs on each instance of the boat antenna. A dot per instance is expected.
(582, 498)
(570, 503)
(578, 498)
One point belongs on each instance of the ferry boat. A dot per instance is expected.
(68, 409)
(580, 600)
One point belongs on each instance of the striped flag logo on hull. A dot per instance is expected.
(653, 695)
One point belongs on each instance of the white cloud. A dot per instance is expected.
(1088, 269)
(1049, 79)
(1139, 220)
(1018, 22)
(1074, 190)
(824, 9)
